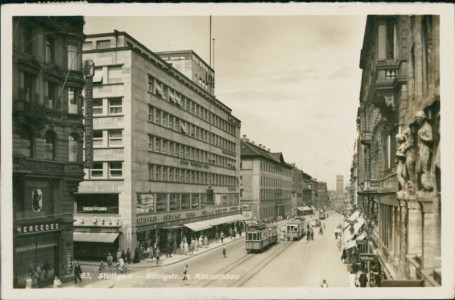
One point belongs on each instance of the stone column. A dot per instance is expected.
(403, 237)
(429, 241)
(414, 228)
(397, 232)
(393, 228)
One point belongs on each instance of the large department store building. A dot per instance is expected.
(166, 150)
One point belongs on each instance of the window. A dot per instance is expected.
(74, 58)
(171, 174)
(72, 147)
(50, 145)
(150, 171)
(164, 146)
(97, 169)
(161, 202)
(115, 138)
(98, 76)
(185, 201)
(157, 144)
(87, 46)
(158, 173)
(194, 200)
(72, 100)
(150, 147)
(114, 74)
(115, 106)
(151, 109)
(29, 87)
(105, 44)
(97, 106)
(115, 169)
(26, 142)
(97, 138)
(164, 174)
(27, 39)
(157, 116)
(50, 50)
(174, 203)
(52, 94)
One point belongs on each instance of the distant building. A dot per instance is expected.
(166, 152)
(340, 185)
(47, 142)
(265, 181)
(301, 189)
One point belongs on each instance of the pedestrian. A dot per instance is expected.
(224, 251)
(222, 237)
(171, 247)
(308, 236)
(29, 282)
(128, 256)
(77, 272)
(352, 279)
(185, 273)
(169, 251)
(109, 262)
(217, 236)
(102, 267)
(185, 248)
(158, 255)
(200, 241)
(343, 256)
(119, 254)
(336, 234)
(206, 241)
(123, 255)
(230, 233)
(136, 258)
(324, 284)
(57, 282)
(363, 279)
(320, 231)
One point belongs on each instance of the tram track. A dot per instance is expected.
(265, 258)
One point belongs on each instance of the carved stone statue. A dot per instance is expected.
(425, 141)
(408, 149)
(401, 161)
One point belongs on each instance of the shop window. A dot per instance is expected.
(185, 201)
(194, 200)
(72, 147)
(115, 169)
(115, 138)
(97, 170)
(115, 106)
(174, 203)
(161, 202)
(50, 145)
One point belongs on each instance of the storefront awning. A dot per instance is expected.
(347, 233)
(361, 237)
(226, 220)
(304, 208)
(349, 245)
(198, 226)
(92, 237)
(351, 219)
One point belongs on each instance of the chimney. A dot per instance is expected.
(244, 138)
(252, 142)
(263, 147)
(260, 145)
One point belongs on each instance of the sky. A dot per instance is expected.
(293, 81)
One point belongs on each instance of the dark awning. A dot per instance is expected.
(92, 237)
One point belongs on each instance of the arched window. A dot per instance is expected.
(26, 138)
(50, 145)
(72, 147)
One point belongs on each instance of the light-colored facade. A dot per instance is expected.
(265, 182)
(398, 160)
(340, 185)
(47, 143)
(166, 151)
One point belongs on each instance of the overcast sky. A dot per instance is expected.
(293, 81)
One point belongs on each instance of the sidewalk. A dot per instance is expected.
(92, 266)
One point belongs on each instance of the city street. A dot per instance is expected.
(288, 264)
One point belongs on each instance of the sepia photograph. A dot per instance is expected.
(227, 151)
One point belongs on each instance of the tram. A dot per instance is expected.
(295, 229)
(260, 236)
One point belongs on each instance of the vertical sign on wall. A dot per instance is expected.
(89, 69)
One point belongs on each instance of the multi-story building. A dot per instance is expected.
(301, 189)
(265, 181)
(323, 196)
(340, 185)
(398, 121)
(166, 152)
(47, 142)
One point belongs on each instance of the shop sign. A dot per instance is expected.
(89, 67)
(94, 208)
(40, 166)
(368, 257)
(150, 219)
(37, 228)
(231, 188)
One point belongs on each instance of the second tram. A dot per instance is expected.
(260, 236)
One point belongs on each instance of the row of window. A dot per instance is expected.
(114, 138)
(107, 106)
(30, 42)
(271, 194)
(267, 167)
(171, 174)
(162, 202)
(29, 92)
(108, 75)
(164, 146)
(106, 170)
(27, 144)
(275, 182)
(165, 92)
(174, 123)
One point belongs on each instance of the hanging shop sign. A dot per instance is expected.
(368, 257)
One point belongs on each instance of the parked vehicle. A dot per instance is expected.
(260, 236)
(322, 214)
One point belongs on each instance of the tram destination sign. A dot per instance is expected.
(368, 257)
